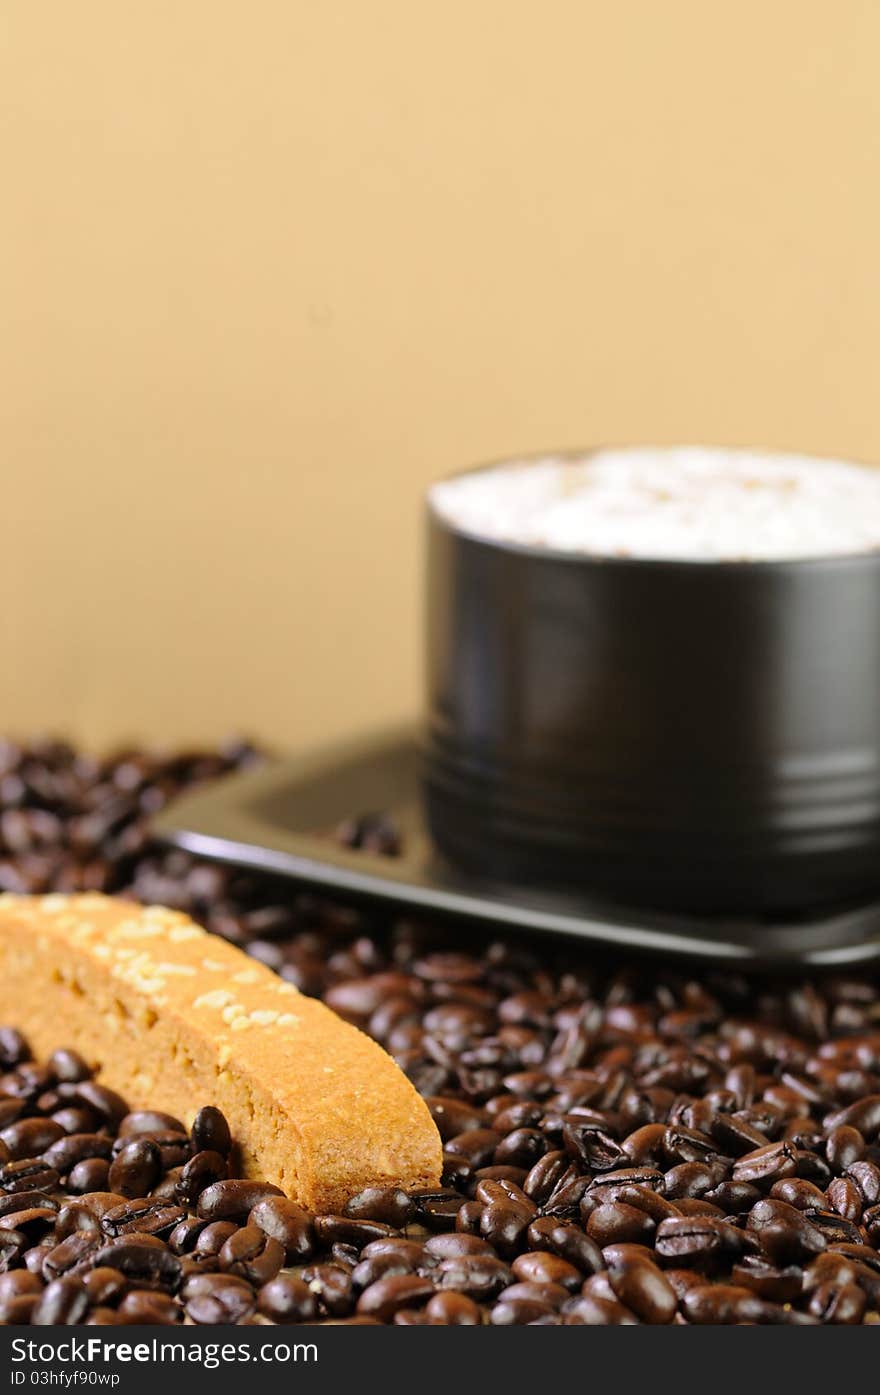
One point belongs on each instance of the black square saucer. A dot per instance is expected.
(279, 818)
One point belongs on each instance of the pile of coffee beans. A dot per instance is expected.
(624, 1143)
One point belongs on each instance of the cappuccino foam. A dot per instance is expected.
(687, 503)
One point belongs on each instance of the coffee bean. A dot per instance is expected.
(104, 1286)
(777, 1285)
(453, 1310)
(480, 1277)
(641, 1287)
(697, 1242)
(63, 1302)
(785, 1234)
(390, 1205)
(28, 1138)
(136, 1168)
(588, 1310)
(106, 1103)
(616, 1221)
(27, 1174)
(146, 1262)
(288, 1299)
(766, 1164)
(233, 1200)
(287, 1223)
(68, 1066)
(220, 1304)
(720, 1304)
(332, 1230)
(202, 1170)
(252, 1254)
(67, 1152)
(842, 1304)
(543, 1267)
(387, 1296)
(332, 1287)
(92, 1174)
(210, 1132)
(13, 1244)
(144, 1216)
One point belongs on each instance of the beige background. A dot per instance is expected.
(266, 269)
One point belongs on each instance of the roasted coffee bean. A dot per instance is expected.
(551, 1170)
(518, 1311)
(92, 1174)
(690, 1179)
(202, 1170)
(641, 1287)
(591, 1145)
(380, 1266)
(28, 1138)
(75, 1148)
(210, 1132)
(10, 1110)
(504, 1225)
(767, 1280)
(838, 1303)
(331, 1286)
(720, 1304)
(480, 1277)
(797, 1192)
(13, 1048)
(63, 1302)
(71, 1255)
(866, 1176)
(617, 1222)
(213, 1236)
(766, 1165)
(544, 1267)
(862, 1114)
(136, 1168)
(453, 1310)
(843, 1147)
(220, 1304)
(144, 1216)
(437, 1210)
(68, 1066)
(252, 1254)
(697, 1242)
(785, 1235)
(13, 1244)
(146, 1262)
(389, 1205)
(147, 1306)
(34, 1222)
(345, 1230)
(288, 1223)
(233, 1200)
(588, 1310)
(27, 1174)
(109, 1106)
(22, 1201)
(387, 1296)
(104, 1286)
(568, 1241)
(288, 1299)
(844, 1197)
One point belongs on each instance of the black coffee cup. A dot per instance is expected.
(700, 736)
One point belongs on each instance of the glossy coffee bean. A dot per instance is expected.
(287, 1299)
(136, 1168)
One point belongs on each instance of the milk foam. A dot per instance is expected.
(690, 503)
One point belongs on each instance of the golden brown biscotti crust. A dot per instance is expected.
(176, 1018)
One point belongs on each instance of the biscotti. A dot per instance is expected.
(176, 1018)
